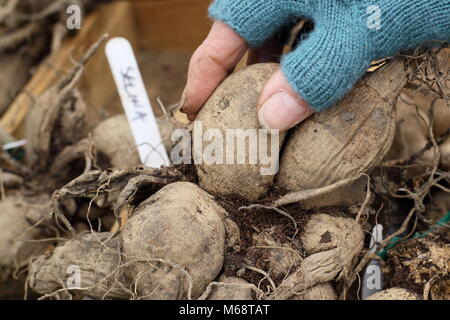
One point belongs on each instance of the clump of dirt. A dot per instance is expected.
(253, 222)
(422, 266)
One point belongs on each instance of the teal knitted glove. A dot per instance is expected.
(346, 37)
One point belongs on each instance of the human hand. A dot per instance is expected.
(348, 35)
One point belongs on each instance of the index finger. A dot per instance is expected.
(216, 57)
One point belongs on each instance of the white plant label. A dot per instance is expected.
(136, 103)
(14, 145)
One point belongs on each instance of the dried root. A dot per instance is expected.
(332, 244)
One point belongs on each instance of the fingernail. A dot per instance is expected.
(283, 112)
(192, 117)
(183, 100)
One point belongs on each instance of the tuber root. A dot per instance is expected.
(233, 106)
(348, 139)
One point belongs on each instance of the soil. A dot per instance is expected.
(399, 274)
(254, 221)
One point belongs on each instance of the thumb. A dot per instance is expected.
(280, 107)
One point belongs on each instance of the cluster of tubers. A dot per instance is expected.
(163, 234)
(173, 247)
(329, 147)
(172, 243)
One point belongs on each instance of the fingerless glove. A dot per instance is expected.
(347, 36)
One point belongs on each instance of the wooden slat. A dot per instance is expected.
(176, 25)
